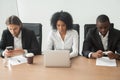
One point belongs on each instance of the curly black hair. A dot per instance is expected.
(63, 16)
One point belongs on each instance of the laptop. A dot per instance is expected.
(57, 58)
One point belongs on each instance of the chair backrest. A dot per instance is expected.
(37, 28)
(76, 27)
(87, 27)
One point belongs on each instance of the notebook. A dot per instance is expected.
(57, 58)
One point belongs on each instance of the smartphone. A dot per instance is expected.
(9, 47)
(106, 53)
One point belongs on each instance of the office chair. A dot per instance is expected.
(87, 27)
(77, 28)
(37, 28)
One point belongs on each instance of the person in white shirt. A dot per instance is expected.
(63, 37)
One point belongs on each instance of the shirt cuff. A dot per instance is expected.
(3, 53)
(89, 55)
(25, 51)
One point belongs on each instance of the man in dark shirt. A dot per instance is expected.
(102, 40)
(21, 39)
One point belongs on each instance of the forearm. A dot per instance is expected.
(86, 53)
(73, 54)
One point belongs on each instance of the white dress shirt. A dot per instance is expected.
(70, 42)
(18, 41)
(104, 40)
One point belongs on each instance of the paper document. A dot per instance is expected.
(105, 61)
(17, 60)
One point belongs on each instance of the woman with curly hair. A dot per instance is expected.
(63, 37)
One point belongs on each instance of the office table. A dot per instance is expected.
(81, 69)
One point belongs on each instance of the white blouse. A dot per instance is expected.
(70, 42)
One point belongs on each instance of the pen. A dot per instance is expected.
(18, 60)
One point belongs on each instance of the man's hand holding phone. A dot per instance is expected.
(111, 55)
(9, 48)
(9, 51)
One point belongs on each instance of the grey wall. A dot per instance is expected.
(7, 8)
(82, 11)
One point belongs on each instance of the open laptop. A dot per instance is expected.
(57, 58)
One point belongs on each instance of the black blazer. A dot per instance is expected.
(29, 41)
(93, 42)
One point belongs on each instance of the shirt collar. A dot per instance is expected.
(19, 36)
(59, 33)
(105, 35)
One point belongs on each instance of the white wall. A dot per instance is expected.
(82, 11)
(7, 8)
